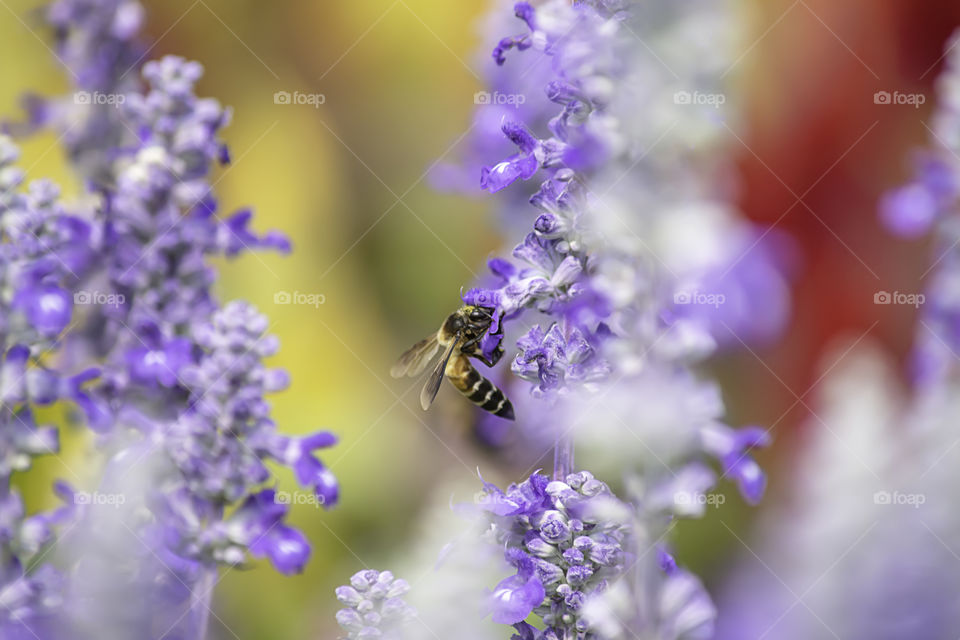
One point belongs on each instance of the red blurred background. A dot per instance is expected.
(816, 155)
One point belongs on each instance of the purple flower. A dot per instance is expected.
(159, 360)
(47, 307)
(552, 359)
(40, 268)
(297, 453)
(374, 606)
(909, 211)
(667, 562)
(741, 297)
(557, 538)
(95, 38)
(928, 203)
(732, 447)
(173, 381)
(236, 237)
(525, 12)
(549, 276)
(521, 166)
(912, 210)
(98, 42)
(503, 174)
(554, 528)
(615, 232)
(527, 498)
(514, 598)
(286, 547)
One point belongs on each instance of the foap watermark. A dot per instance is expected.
(898, 97)
(886, 297)
(483, 498)
(298, 297)
(698, 97)
(98, 98)
(698, 297)
(485, 97)
(897, 498)
(687, 498)
(98, 298)
(99, 499)
(298, 498)
(299, 98)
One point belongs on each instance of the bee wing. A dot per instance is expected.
(430, 389)
(415, 359)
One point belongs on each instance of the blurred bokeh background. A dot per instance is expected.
(348, 181)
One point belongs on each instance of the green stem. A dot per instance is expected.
(562, 458)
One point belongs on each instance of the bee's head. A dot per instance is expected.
(470, 319)
(479, 315)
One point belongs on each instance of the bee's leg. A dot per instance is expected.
(493, 360)
(487, 361)
(469, 343)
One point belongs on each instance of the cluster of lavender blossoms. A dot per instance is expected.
(44, 254)
(631, 267)
(374, 606)
(564, 544)
(611, 335)
(107, 304)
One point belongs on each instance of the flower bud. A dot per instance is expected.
(348, 596)
(362, 580)
(548, 573)
(554, 527)
(579, 574)
(349, 619)
(541, 548)
(573, 556)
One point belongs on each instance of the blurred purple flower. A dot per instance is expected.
(732, 447)
(374, 606)
(121, 289)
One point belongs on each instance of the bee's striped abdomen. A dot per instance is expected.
(478, 389)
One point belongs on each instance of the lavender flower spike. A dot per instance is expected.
(564, 544)
(374, 606)
(109, 306)
(45, 256)
(610, 249)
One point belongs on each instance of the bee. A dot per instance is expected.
(459, 338)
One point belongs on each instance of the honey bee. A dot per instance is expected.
(459, 338)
